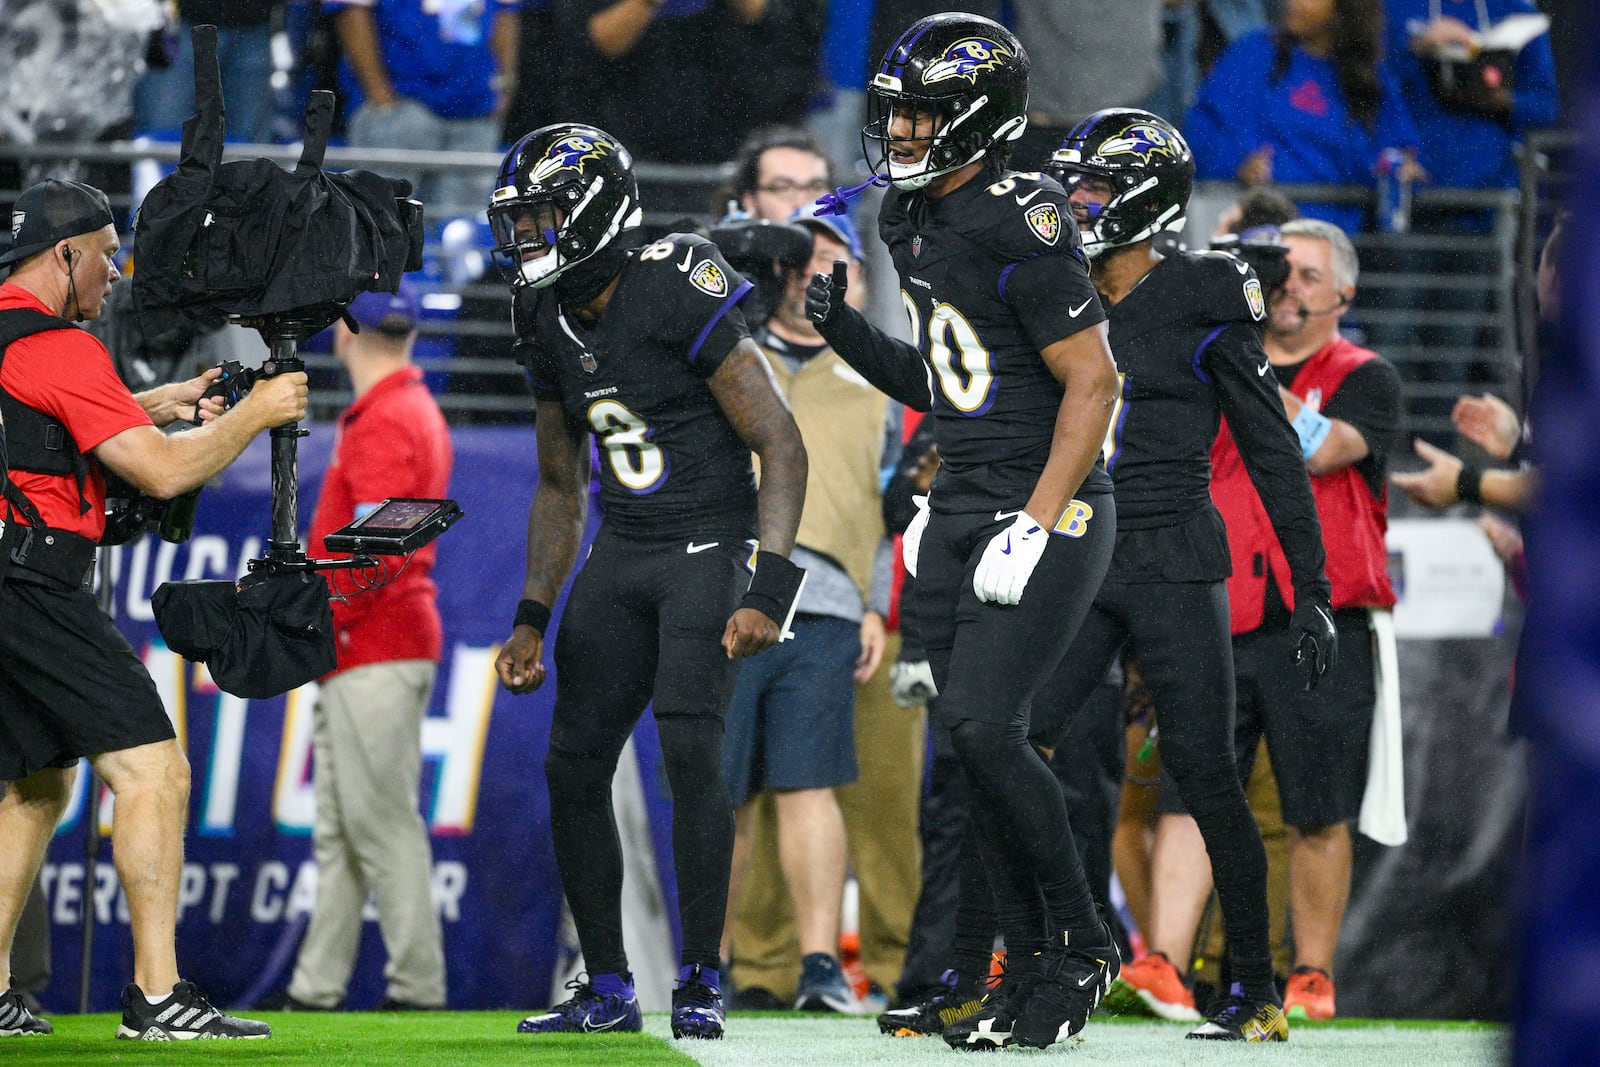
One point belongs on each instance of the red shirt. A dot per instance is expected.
(392, 442)
(68, 375)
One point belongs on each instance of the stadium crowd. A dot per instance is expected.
(1189, 448)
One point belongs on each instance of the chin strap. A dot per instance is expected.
(838, 201)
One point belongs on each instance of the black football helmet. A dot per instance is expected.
(969, 73)
(1148, 165)
(572, 188)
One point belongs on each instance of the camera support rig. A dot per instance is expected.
(283, 334)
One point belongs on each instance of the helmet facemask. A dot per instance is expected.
(956, 136)
(541, 235)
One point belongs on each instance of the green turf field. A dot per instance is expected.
(472, 1038)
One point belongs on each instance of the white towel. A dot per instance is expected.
(1383, 805)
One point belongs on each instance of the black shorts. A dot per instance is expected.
(70, 684)
(1317, 739)
(988, 660)
(644, 623)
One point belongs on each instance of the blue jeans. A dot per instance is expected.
(409, 124)
(164, 98)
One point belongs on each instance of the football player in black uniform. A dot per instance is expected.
(1185, 330)
(646, 349)
(1011, 355)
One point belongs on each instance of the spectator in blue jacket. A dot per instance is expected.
(429, 76)
(1466, 141)
(1309, 101)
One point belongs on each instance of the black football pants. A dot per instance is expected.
(644, 621)
(988, 660)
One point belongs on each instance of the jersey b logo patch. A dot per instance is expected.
(709, 279)
(1074, 521)
(1253, 297)
(1045, 221)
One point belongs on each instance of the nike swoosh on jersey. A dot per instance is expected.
(1087, 979)
(687, 258)
(1022, 201)
(1002, 516)
(1261, 371)
(693, 548)
(1075, 312)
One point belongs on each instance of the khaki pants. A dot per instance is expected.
(880, 817)
(370, 838)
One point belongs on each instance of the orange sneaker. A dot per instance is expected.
(1310, 994)
(1152, 985)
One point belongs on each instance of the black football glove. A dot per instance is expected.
(1316, 641)
(825, 294)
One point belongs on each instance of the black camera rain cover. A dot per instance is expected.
(249, 238)
(265, 636)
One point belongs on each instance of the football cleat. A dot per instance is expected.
(1310, 995)
(17, 1021)
(697, 1008)
(587, 1011)
(990, 1027)
(1077, 973)
(935, 1011)
(1237, 1017)
(1151, 985)
(186, 1015)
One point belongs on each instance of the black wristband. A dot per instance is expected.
(774, 587)
(532, 613)
(1469, 484)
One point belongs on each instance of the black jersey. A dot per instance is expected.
(671, 464)
(1188, 346)
(990, 275)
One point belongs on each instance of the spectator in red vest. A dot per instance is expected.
(1344, 403)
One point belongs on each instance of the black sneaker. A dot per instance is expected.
(990, 1026)
(1237, 1017)
(1077, 974)
(184, 1016)
(938, 1008)
(823, 987)
(16, 1020)
(286, 1002)
(697, 1009)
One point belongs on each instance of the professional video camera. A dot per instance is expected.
(283, 252)
(766, 253)
(1262, 247)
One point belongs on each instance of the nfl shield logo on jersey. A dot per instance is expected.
(1253, 297)
(916, 245)
(709, 279)
(1045, 221)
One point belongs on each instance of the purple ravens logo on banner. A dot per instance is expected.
(1140, 141)
(569, 153)
(1045, 221)
(709, 279)
(966, 59)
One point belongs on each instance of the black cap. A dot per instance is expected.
(52, 211)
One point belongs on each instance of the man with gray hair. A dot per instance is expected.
(1344, 403)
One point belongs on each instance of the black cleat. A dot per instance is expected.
(184, 1016)
(697, 1009)
(990, 1027)
(18, 1020)
(1077, 974)
(1237, 1017)
(935, 1011)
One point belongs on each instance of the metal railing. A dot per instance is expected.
(1451, 305)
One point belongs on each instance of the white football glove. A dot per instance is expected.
(1008, 560)
(912, 683)
(911, 540)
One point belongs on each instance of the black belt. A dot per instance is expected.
(49, 556)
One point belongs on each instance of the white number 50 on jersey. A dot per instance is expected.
(957, 354)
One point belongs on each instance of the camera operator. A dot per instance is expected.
(70, 684)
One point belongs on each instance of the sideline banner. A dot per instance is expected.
(249, 881)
